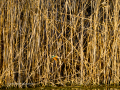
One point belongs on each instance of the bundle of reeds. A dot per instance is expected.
(84, 34)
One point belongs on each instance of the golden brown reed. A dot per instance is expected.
(85, 34)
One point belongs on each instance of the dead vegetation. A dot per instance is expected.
(85, 34)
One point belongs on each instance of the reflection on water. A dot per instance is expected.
(64, 88)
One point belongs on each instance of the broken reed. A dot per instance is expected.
(84, 34)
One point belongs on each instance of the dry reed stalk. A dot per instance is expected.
(81, 46)
(104, 41)
(1, 43)
(115, 36)
(94, 40)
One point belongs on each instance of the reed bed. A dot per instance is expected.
(85, 34)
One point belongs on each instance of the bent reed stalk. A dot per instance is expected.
(85, 35)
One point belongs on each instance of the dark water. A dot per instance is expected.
(64, 88)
